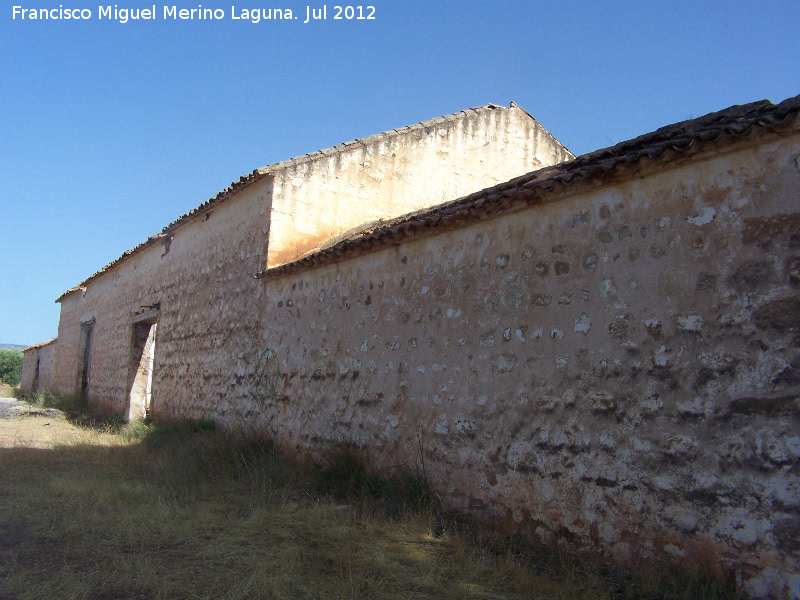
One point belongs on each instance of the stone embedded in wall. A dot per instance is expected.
(504, 363)
(691, 323)
(705, 281)
(766, 231)
(781, 315)
(792, 270)
(561, 267)
(601, 401)
(619, 326)
(752, 275)
(582, 325)
(541, 299)
(705, 216)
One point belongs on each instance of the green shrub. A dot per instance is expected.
(10, 366)
(68, 404)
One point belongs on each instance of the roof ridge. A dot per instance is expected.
(39, 345)
(387, 134)
(727, 125)
(738, 114)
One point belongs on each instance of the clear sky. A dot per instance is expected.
(110, 130)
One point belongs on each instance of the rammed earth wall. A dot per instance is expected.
(605, 352)
(617, 367)
(37, 366)
(200, 280)
(195, 280)
(324, 194)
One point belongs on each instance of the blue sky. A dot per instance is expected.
(109, 131)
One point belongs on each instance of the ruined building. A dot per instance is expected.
(602, 349)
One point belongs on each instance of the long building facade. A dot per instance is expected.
(602, 349)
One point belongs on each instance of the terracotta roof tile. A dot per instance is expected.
(719, 128)
(71, 290)
(39, 345)
(251, 178)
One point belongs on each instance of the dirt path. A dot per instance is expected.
(11, 408)
(26, 426)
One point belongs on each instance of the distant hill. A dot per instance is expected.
(15, 346)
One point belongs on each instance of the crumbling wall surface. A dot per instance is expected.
(46, 358)
(618, 368)
(393, 173)
(37, 367)
(65, 366)
(28, 370)
(200, 279)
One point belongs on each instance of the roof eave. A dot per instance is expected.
(725, 129)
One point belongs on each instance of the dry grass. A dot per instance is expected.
(6, 391)
(89, 513)
(98, 515)
(37, 429)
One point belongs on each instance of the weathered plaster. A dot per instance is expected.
(37, 367)
(199, 271)
(618, 368)
(390, 174)
(202, 283)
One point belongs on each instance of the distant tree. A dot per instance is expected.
(10, 366)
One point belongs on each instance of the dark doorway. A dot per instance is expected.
(35, 385)
(85, 360)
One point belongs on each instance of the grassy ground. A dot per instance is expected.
(6, 391)
(37, 429)
(103, 513)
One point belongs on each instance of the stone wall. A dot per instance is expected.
(618, 367)
(323, 195)
(614, 362)
(28, 370)
(199, 280)
(197, 275)
(37, 366)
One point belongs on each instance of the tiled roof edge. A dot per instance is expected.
(718, 128)
(270, 170)
(70, 291)
(39, 345)
(235, 187)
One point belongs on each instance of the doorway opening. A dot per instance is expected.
(85, 358)
(35, 384)
(141, 365)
